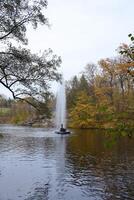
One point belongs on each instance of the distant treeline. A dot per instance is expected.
(12, 111)
(20, 112)
(102, 96)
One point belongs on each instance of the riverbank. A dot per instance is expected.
(117, 121)
(119, 131)
(24, 121)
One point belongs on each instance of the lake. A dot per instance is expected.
(38, 164)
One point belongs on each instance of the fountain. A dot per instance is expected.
(61, 110)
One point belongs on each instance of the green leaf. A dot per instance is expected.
(130, 35)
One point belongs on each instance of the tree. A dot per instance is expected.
(16, 14)
(90, 72)
(83, 84)
(83, 113)
(108, 70)
(26, 75)
(128, 52)
(72, 90)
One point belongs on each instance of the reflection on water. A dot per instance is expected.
(37, 164)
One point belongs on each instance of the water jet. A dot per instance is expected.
(61, 110)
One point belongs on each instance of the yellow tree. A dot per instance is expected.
(83, 114)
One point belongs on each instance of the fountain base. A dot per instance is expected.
(62, 132)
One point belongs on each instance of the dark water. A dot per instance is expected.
(37, 164)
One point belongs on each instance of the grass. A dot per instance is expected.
(4, 111)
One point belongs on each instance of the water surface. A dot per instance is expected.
(37, 164)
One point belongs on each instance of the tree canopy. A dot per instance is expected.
(104, 98)
(26, 75)
(16, 14)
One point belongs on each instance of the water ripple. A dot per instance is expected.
(37, 164)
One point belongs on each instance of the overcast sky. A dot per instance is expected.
(83, 31)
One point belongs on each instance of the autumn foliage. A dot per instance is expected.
(103, 95)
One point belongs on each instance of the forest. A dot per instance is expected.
(101, 96)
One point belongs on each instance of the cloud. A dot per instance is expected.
(83, 31)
